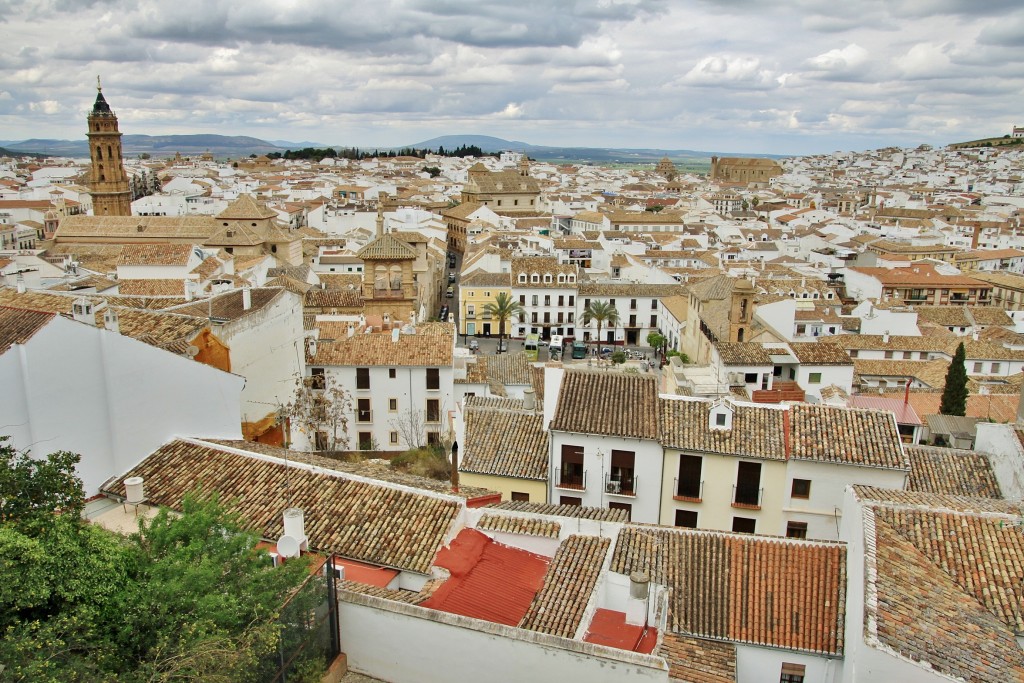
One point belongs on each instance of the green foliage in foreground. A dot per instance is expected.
(188, 597)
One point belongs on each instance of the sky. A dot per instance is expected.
(738, 76)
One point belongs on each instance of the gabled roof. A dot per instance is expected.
(505, 443)
(558, 608)
(387, 247)
(951, 471)
(246, 208)
(756, 432)
(377, 523)
(843, 435)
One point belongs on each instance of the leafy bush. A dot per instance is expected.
(424, 462)
(619, 357)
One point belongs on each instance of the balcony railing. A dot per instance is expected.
(623, 486)
(747, 496)
(692, 491)
(575, 482)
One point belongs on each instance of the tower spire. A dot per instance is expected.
(99, 88)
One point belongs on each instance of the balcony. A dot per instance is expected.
(622, 486)
(571, 480)
(747, 497)
(688, 491)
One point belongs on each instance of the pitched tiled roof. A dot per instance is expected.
(505, 443)
(246, 207)
(378, 349)
(603, 514)
(610, 403)
(151, 287)
(843, 435)
(159, 254)
(756, 431)
(18, 325)
(741, 587)
(947, 591)
(820, 353)
(527, 526)
(695, 660)
(387, 247)
(375, 523)
(558, 607)
(951, 471)
(230, 305)
(742, 353)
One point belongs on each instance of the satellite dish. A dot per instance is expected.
(288, 546)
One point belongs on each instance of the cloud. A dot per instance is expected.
(729, 71)
(851, 63)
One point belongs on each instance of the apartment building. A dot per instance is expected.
(547, 291)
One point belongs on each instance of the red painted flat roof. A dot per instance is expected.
(610, 628)
(360, 572)
(489, 581)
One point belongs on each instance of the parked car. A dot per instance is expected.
(474, 345)
(451, 276)
(450, 293)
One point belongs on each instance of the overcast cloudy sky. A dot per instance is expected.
(783, 76)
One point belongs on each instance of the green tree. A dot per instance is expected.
(602, 312)
(32, 489)
(954, 394)
(502, 309)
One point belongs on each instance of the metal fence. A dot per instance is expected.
(309, 634)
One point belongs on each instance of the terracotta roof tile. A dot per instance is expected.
(696, 660)
(610, 403)
(573, 511)
(159, 254)
(820, 353)
(17, 326)
(844, 435)
(377, 348)
(505, 443)
(559, 606)
(756, 431)
(527, 526)
(376, 523)
(743, 353)
(740, 587)
(951, 471)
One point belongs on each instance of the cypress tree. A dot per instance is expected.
(954, 395)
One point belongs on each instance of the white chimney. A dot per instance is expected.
(636, 604)
(351, 329)
(246, 298)
(188, 290)
(529, 399)
(387, 320)
(885, 337)
(134, 490)
(295, 525)
(21, 283)
(82, 311)
(110, 321)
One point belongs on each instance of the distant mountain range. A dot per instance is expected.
(161, 146)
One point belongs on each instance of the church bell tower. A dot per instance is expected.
(111, 193)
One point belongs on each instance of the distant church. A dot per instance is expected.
(111, 192)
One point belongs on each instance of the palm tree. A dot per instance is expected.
(602, 312)
(502, 309)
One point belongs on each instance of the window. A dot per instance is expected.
(995, 368)
(572, 300)
(393, 405)
(654, 321)
(433, 438)
(547, 299)
(433, 410)
(796, 530)
(688, 483)
(561, 299)
(534, 278)
(621, 479)
(433, 378)
(721, 419)
(522, 278)
(362, 378)
(394, 437)
(522, 299)
(743, 525)
(317, 379)
(801, 488)
(365, 441)
(392, 373)
(622, 506)
(570, 475)
(750, 378)
(748, 484)
(520, 496)
(654, 304)
(686, 518)
(363, 412)
(977, 367)
(570, 500)
(814, 378)
(792, 673)
(632, 304)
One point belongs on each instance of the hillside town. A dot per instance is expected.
(691, 427)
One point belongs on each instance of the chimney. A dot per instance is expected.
(110, 321)
(21, 283)
(188, 290)
(82, 311)
(351, 329)
(529, 399)
(246, 298)
(295, 525)
(387, 320)
(885, 337)
(636, 604)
